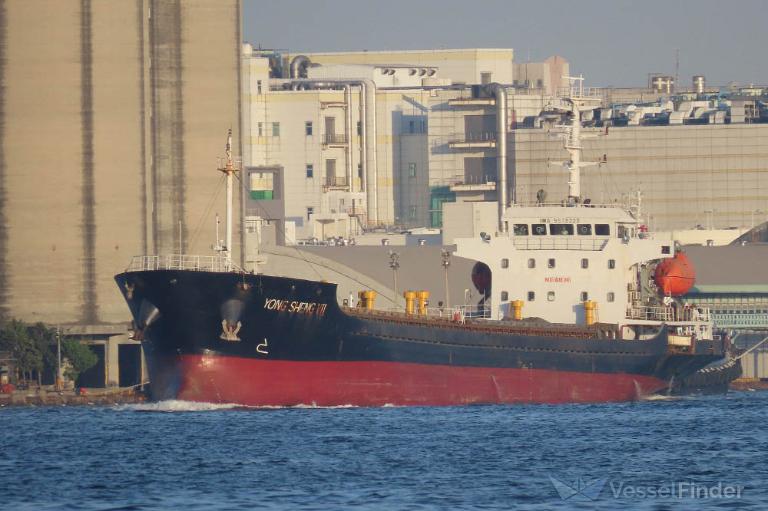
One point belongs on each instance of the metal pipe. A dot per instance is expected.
(298, 63)
(348, 131)
(371, 191)
(501, 149)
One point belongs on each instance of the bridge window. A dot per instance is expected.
(611, 264)
(531, 263)
(531, 296)
(585, 263)
(504, 296)
(584, 229)
(602, 229)
(505, 263)
(551, 263)
(611, 296)
(551, 296)
(520, 229)
(561, 229)
(539, 229)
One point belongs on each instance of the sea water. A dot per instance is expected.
(672, 453)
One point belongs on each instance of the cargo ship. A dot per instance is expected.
(579, 303)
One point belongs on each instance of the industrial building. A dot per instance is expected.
(344, 141)
(111, 117)
(696, 157)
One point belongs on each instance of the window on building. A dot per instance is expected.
(308, 128)
(551, 296)
(412, 169)
(520, 229)
(262, 186)
(584, 229)
(411, 126)
(585, 263)
(505, 263)
(561, 229)
(665, 249)
(504, 296)
(258, 86)
(602, 229)
(310, 170)
(531, 296)
(584, 296)
(611, 264)
(310, 211)
(260, 129)
(412, 213)
(359, 129)
(539, 83)
(360, 171)
(275, 129)
(539, 229)
(551, 263)
(531, 263)
(486, 77)
(611, 296)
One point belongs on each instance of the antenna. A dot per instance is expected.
(677, 68)
(576, 98)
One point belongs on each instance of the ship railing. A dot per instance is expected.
(453, 313)
(558, 243)
(213, 263)
(650, 313)
(528, 204)
(459, 312)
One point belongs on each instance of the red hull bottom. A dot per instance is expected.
(253, 382)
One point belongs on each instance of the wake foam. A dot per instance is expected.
(177, 405)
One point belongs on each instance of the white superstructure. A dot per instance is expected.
(576, 262)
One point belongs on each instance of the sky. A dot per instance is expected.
(612, 42)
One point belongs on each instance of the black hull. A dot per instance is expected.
(246, 322)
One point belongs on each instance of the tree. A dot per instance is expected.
(80, 356)
(14, 337)
(45, 340)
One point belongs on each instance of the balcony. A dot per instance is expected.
(472, 102)
(335, 183)
(483, 140)
(334, 140)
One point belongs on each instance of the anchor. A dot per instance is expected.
(229, 332)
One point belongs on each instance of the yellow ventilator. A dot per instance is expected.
(370, 299)
(590, 312)
(423, 297)
(361, 299)
(410, 298)
(517, 309)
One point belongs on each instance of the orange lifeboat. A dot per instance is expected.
(675, 276)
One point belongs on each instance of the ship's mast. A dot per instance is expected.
(229, 168)
(578, 99)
